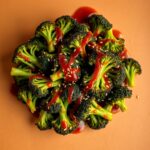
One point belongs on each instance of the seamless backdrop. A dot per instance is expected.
(127, 131)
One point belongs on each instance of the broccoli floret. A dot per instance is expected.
(99, 80)
(27, 53)
(26, 96)
(89, 106)
(79, 40)
(98, 24)
(117, 75)
(47, 31)
(132, 68)
(111, 43)
(117, 96)
(40, 86)
(65, 23)
(63, 123)
(44, 121)
(48, 62)
(81, 28)
(96, 122)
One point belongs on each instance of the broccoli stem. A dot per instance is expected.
(63, 114)
(130, 73)
(57, 75)
(20, 72)
(31, 102)
(109, 35)
(98, 110)
(121, 104)
(51, 47)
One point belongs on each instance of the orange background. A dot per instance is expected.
(127, 131)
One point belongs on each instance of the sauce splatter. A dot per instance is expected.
(82, 13)
(64, 124)
(53, 100)
(59, 34)
(95, 73)
(117, 33)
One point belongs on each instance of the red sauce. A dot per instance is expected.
(59, 34)
(84, 42)
(69, 72)
(70, 94)
(123, 54)
(64, 124)
(95, 73)
(53, 100)
(82, 13)
(117, 33)
(80, 128)
(28, 102)
(23, 57)
(49, 84)
(38, 76)
(115, 109)
(74, 55)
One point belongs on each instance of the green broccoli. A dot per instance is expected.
(44, 121)
(65, 23)
(39, 85)
(111, 43)
(132, 68)
(21, 71)
(47, 31)
(26, 96)
(96, 122)
(27, 53)
(48, 62)
(99, 81)
(98, 24)
(117, 75)
(63, 123)
(89, 106)
(117, 96)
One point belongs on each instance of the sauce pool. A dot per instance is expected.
(82, 13)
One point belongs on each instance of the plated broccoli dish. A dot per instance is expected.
(73, 73)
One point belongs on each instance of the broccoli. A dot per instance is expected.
(81, 28)
(44, 121)
(91, 107)
(96, 122)
(117, 96)
(99, 79)
(47, 31)
(98, 24)
(48, 62)
(117, 75)
(111, 43)
(65, 23)
(39, 85)
(63, 123)
(21, 71)
(69, 71)
(26, 96)
(27, 53)
(79, 40)
(132, 68)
